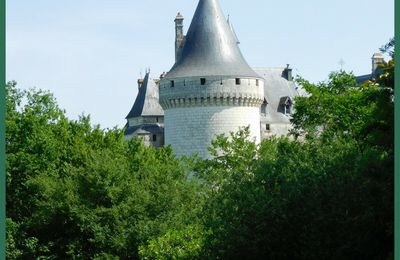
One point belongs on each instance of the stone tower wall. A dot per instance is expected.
(191, 130)
(196, 113)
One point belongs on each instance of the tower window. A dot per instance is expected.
(172, 83)
(154, 138)
(202, 81)
(257, 83)
(237, 81)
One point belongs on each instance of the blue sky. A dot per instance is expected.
(89, 53)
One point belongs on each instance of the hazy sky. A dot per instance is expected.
(90, 53)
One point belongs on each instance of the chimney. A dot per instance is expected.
(377, 59)
(178, 36)
(287, 73)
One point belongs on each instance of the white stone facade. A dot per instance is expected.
(146, 120)
(191, 130)
(148, 139)
(190, 91)
(269, 130)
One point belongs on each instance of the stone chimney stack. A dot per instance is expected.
(288, 73)
(179, 37)
(377, 59)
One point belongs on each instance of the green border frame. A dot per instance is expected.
(2, 129)
(397, 138)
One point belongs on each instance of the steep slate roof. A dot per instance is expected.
(276, 89)
(210, 48)
(363, 78)
(233, 30)
(146, 103)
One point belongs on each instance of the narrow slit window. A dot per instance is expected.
(237, 81)
(154, 138)
(202, 81)
(257, 83)
(172, 83)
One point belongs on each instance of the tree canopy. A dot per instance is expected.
(326, 195)
(76, 191)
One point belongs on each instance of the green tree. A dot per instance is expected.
(175, 244)
(77, 191)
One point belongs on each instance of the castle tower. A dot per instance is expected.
(211, 89)
(146, 118)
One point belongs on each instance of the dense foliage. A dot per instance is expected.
(78, 191)
(74, 190)
(328, 195)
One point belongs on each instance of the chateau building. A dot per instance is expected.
(210, 90)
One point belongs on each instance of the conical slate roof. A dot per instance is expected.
(147, 100)
(210, 47)
(233, 30)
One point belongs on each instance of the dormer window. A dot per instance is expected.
(263, 108)
(202, 81)
(288, 109)
(237, 81)
(286, 104)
